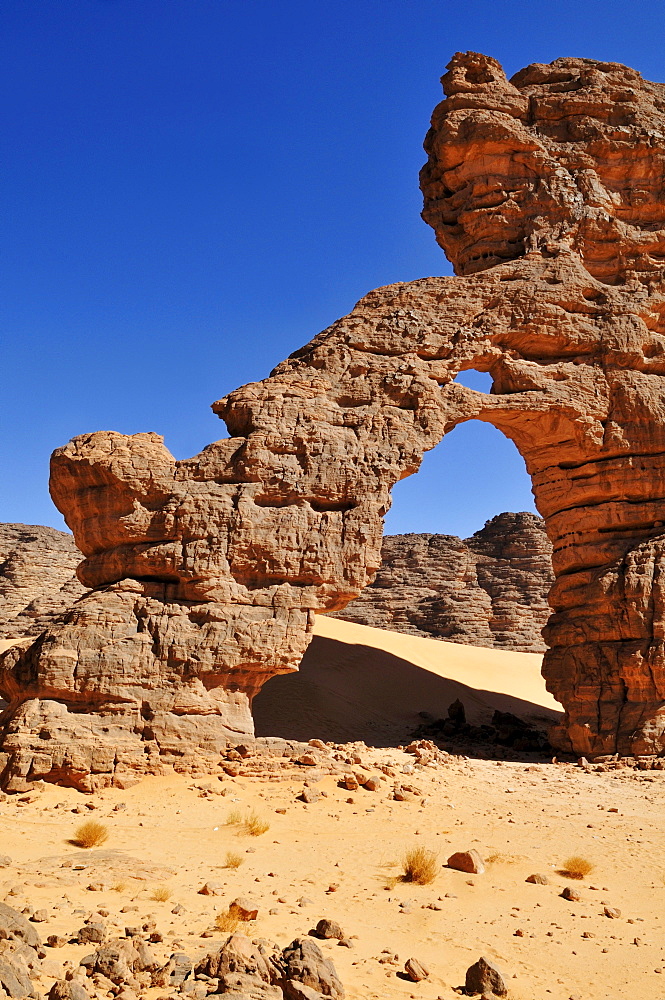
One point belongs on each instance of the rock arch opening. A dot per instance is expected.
(473, 474)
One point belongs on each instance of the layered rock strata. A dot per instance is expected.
(487, 590)
(548, 194)
(37, 577)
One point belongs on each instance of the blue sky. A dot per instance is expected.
(194, 188)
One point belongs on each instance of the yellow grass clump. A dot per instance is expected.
(255, 825)
(252, 823)
(161, 894)
(226, 922)
(577, 867)
(420, 866)
(90, 834)
(233, 860)
(118, 886)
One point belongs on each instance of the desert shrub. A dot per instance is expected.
(577, 867)
(226, 922)
(255, 825)
(90, 834)
(161, 894)
(252, 823)
(420, 866)
(233, 860)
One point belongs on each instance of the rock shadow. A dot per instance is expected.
(345, 692)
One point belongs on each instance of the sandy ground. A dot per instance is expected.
(340, 856)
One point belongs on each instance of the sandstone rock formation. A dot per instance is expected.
(37, 577)
(487, 590)
(547, 193)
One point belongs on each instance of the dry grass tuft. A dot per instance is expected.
(226, 922)
(90, 834)
(252, 823)
(576, 867)
(255, 825)
(118, 886)
(420, 866)
(161, 894)
(233, 860)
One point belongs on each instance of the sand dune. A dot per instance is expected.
(357, 682)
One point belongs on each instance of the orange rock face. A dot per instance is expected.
(547, 194)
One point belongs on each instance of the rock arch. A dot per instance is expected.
(207, 572)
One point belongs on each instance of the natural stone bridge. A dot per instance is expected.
(547, 192)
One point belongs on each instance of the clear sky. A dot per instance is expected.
(193, 188)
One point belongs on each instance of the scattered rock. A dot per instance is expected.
(64, 989)
(92, 933)
(372, 784)
(484, 977)
(329, 929)
(415, 970)
(304, 962)
(571, 894)
(467, 861)
(244, 909)
(538, 879)
(212, 889)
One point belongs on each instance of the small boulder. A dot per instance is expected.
(212, 889)
(484, 977)
(244, 909)
(15, 927)
(304, 962)
(309, 795)
(415, 970)
(174, 973)
(293, 990)
(92, 933)
(14, 979)
(67, 989)
(237, 955)
(5, 861)
(329, 929)
(571, 894)
(612, 912)
(308, 760)
(238, 986)
(467, 861)
(373, 784)
(538, 879)
(55, 941)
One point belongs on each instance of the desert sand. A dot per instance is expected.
(339, 857)
(357, 682)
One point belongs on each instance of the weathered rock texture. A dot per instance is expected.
(548, 194)
(37, 577)
(487, 590)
